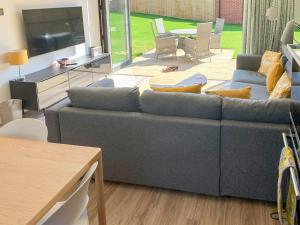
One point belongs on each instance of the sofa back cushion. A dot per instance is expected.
(103, 98)
(266, 111)
(181, 104)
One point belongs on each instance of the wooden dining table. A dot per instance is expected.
(36, 175)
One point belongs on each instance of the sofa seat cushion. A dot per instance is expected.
(105, 98)
(248, 76)
(258, 92)
(181, 104)
(264, 111)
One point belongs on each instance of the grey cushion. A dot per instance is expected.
(258, 92)
(248, 62)
(248, 76)
(105, 82)
(268, 111)
(114, 99)
(181, 104)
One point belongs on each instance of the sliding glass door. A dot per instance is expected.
(120, 38)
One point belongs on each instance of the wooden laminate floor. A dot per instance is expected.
(138, 205)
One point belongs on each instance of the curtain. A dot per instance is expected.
(260, 34)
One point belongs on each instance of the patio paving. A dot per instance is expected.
(218, 70)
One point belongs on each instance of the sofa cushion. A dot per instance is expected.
(104, 98)
(258, 92)
(267, 61)
(195, 88)
(181, 104)
(282, 88)
(248, 76)
(244, 93)
(267, 111)
(273, 75)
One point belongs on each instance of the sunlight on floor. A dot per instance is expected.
(146, 69)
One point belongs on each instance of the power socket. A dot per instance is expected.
(1, 12)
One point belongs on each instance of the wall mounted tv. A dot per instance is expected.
(48, 30)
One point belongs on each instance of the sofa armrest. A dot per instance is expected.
(248, 62)
(52, 120)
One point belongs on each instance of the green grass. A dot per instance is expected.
(117, 37)
(142, 37)
(297, 35)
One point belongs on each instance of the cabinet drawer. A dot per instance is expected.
(52, 83)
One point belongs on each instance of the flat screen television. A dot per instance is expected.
(48, 30)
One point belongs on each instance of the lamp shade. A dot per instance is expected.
(19, 57)
(272, 13)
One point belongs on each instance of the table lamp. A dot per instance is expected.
(272, 13)
(18, 58)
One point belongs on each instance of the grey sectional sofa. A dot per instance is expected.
(246, 75)
(188, 142)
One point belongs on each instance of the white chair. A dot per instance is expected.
(160, 26)
(215, 40)
(164, 44)
(288, 33)
(26, 128)
(199, 47)
(73, 211)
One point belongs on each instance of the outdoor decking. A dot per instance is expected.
(218, 70)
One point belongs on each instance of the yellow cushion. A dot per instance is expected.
(244, 93)
(268, 59)
(282, 88)
(196, 88)
(273, 75)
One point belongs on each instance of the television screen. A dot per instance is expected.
(48, 30)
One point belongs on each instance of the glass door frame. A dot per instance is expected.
(104, 5)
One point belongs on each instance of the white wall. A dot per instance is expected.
(297, 11)
(12, 36)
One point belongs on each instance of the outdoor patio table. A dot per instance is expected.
(184, 32)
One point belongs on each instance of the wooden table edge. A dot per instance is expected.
(99, 190)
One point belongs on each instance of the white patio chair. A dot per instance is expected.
(160, 26)
(164, 44)
(73, 211)
(199, 47)
(26, 128)
(215, 40)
